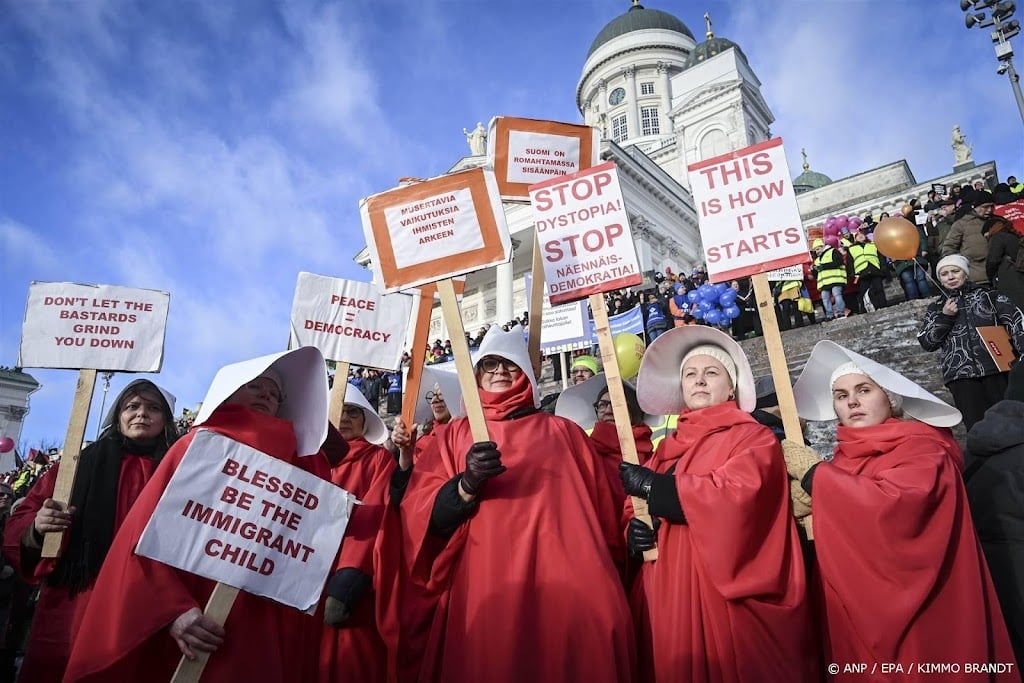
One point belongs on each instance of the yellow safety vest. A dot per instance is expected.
(829, 275)
(864, 255)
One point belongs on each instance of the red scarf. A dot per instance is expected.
(856, 443)
(500, 404)
(696, 425)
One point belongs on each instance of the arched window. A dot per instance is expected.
(714, 143)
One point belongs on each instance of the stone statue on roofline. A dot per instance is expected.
(961, 150)
(477, 139)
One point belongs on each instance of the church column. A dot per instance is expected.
(503, 288)
(666, 98)
(632, 106)
(642, 238)
(600, 107)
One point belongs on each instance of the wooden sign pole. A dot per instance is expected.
(222, 599)
(536, 307)
(463, 362)
(565, 369)
(618, 397)
(338, 389)
(420, 334)
(72, 451)
(777, 358)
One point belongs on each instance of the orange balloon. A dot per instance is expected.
(897, 238)
(907, 210)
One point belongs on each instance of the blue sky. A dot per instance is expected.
(216, 149)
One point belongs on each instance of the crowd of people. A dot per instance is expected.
(512, 546)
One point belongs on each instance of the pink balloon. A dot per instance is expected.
(830, 231)
(832, 241)
(830, 221)
(6, 444)
(842, 222)
(855, 221)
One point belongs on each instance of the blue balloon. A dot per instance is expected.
(692, 296)
(698, 313)
(732, 312)
(713, 317)
(721, 287)
(706, 291)
(728, 298)
(706, 306)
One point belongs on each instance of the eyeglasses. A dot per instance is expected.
(491, 364)
(266, 387)
(352, 412)
(602, 405)
(431, 395)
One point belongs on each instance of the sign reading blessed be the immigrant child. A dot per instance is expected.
(446, 226)
(583, 228)
(524, 152)
(747, 212)
(238, 516)
(101, 327)
(350, 321)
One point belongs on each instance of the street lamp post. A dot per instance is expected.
(107, 376)
(1005, 28)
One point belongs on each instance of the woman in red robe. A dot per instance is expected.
(351, 648)
(517, 537)
(903, 577)
(138, 430)
(726, 599)
(145, 615)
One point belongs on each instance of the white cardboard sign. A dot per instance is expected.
(583, 228)
(102, 327)
(436, 229)
(787, 273)
(238, 516)
(524, 152)
(747, 211)
(350, 321)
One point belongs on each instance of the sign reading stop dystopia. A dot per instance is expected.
(100, 327)
(446, 226)
(747, 211)
(583, 228)
(238, 516)
(525, 152)
(350, 321)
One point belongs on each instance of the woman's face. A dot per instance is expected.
(859, 402)
(261, 394)
(705, 383)
(352, 422)
(952, 277)
(496, 374)
(603, 408)
(142, 416)
(438, 407)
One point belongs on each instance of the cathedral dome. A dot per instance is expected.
(809, 180)
(711, 47)
(638, 18)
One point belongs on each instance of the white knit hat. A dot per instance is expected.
(957, 260)
(813, 389)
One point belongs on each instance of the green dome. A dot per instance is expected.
(711, 47)
(811, 180)
(637, 19)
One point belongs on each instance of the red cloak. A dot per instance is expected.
(124, 634)
(726, 600)
(58, 614)
(903, 576)
(528, 587)
(605, 437)
(355, 651)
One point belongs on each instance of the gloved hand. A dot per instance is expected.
(636, 480)
(640, 538)
(799, 458)
(483, 462)
(801, 500)
(345, 589)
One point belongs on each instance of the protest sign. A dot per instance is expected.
(524, 152)
(439, 228)
(631, 322)
(103, 327)
(350, 321)
(787, 273)
(1013, 212)
(240, 517)
(583, 228)
(561, 327)
(747, 211)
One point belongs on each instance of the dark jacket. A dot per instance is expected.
(999, 265)
(964, 355)
(995, 489)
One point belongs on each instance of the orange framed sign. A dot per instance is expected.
(437, 229)
(525, 152)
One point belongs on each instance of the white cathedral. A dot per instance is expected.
(662, 101)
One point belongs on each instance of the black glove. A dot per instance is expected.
(483, 461)
(640, 538)
(636, 480)
(344, 591)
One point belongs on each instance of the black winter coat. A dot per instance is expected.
(995, 489)
(1002, 253)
